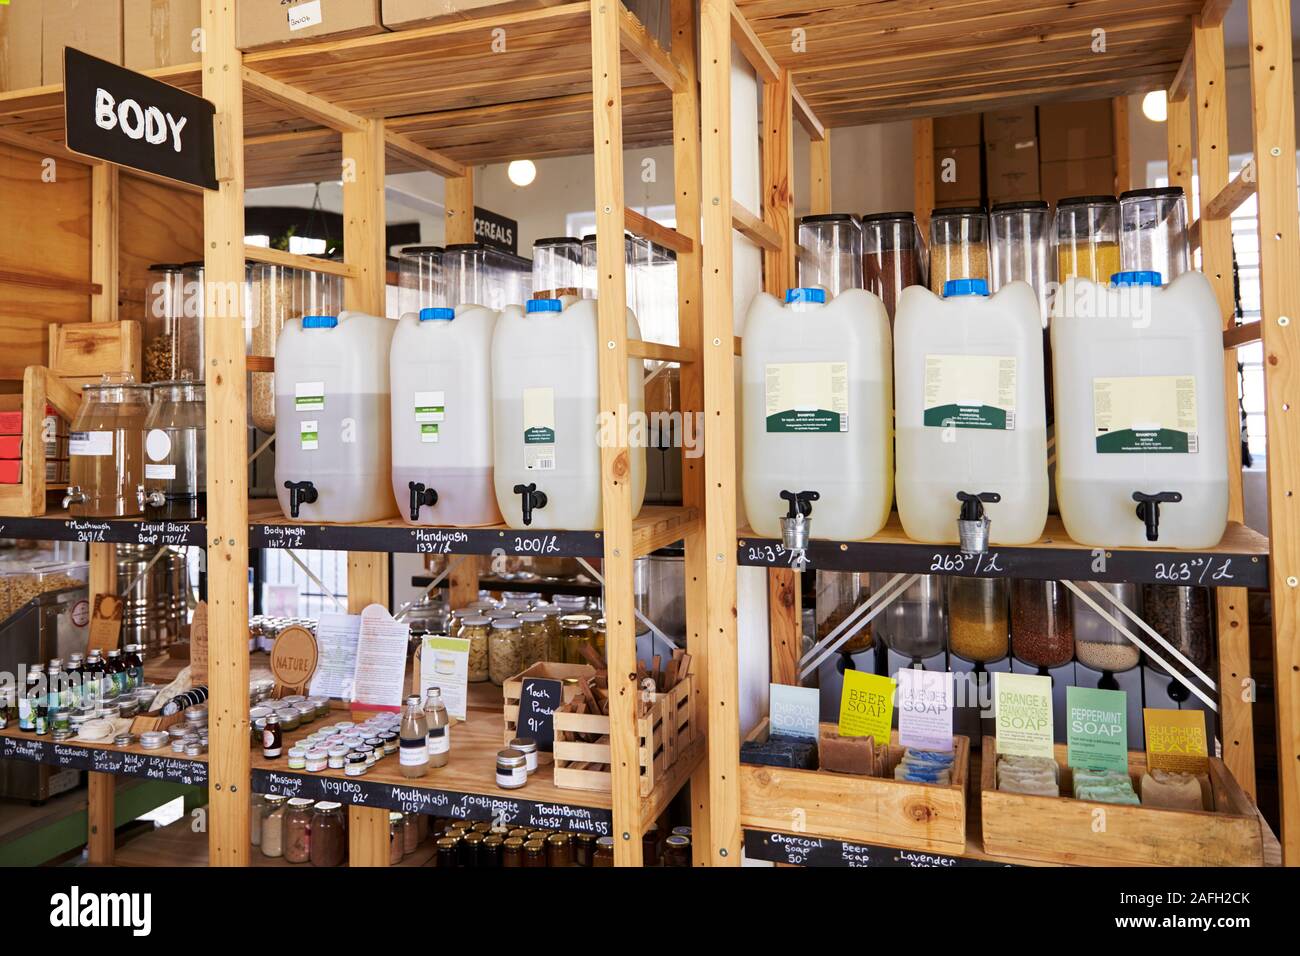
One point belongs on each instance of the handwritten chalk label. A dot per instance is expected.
(539, 698)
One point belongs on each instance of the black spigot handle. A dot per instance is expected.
(300, 493)
(972, 503)
(1148, 509)
(531, 499)
(800, 502)
(420, 496)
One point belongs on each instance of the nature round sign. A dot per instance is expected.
(293, 657)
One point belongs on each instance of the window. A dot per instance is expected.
(281, 574)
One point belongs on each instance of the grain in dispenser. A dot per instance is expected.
(970, 415)
(332, 459)
(1019, 249)
(891, 256)
(106, 449)
(959, 245)
(557, 267)
(175, 476)
(830, 252)
(1086, 235)
(1153, 232)
(164, 314)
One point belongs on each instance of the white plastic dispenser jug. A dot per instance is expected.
(970, 415)
(332, 459)
(1141, 443)
(818, 402)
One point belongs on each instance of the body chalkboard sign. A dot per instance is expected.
(539, 698)
(132, 120)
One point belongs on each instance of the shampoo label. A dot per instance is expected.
(539, 429)
(970, 391)
(309, 397)
(1145, 414)
(430, 412)
(807, 397)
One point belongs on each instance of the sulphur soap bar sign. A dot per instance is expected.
(132, 120)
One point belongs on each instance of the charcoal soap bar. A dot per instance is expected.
(848, 754)
(781, 750)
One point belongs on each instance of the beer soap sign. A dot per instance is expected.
(1022, 709)
(867, 706)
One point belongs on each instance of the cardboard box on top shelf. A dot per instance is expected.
(20, 45)
(950, 131)
(1076, 130)
(159, 33)
(957, 175)
(1011, 169)
(1077, 177)
(1016, 124)
(409, 14)
(91, 26)
(269, 22)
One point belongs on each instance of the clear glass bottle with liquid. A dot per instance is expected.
(437, 728)
(414, 733)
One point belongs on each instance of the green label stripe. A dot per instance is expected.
(430, 409)
(428, 428)
(308, 400)
(1127, 441)
(539, 435)
(814, 420)
(965, 416)
(309, 436)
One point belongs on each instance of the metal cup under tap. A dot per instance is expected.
(973, 524)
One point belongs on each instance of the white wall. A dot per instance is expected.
(871, 168)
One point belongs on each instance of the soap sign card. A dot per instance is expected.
(1176, 740)
(867, 706)
(539, 698)
(793, 711)
(444, 664)
(925, 709)
(1096, 730)
(1022, 709)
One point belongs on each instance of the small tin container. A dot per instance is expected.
(337, 758)
(356, 765)
(124, 740)
(153, 739)
(297, 758)
(512, 769)
(528, 747)
(317, 760)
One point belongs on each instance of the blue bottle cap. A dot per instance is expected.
(543, 305)
(319, 321)
(965, 287)
(805, 295)
(438, 312)
(1137, 277)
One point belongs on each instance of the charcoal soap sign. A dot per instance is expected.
(135, 121)
(538, 701)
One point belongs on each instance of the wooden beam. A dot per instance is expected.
(1273, 124)
(1181, 84)
(1236, 336)
(405, 146)
(227, 450)
(1214, 11)
(638, 42)
(657, 352)
(103, 242)
(657, 233)
(43, 147)
(722, 680)
(752, 48)
(820, 170)
(101, 830)
(278, 257)
(1123, 167)
(754, 229)
(778, 183)
(458, 200)
(805, 115)
(1178, 134)
(784, 607)
(301, 103)
(36, 280)
(1225, 202)
(616, 503)
(923, 172)
(364, 244)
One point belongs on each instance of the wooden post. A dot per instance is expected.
(686, 183)
(1273, 121)
(227, 448)
(104, 245)
(724, 837)
(923, 172)
(1236, 723)
(1123, 166)
(820, 151)
(616, 491)
(458, 200)
(1178, 130)
(101, 787)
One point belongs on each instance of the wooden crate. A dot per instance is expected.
(874, 810)
(512, 688)
(81, 352)
(662, 736)
(1082, 832)
(41, 389)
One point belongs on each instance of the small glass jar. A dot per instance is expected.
(559, 850)
(448, 854)
(512, 852)
(297, 758)
(533, 637)
(650, 846)
(534, 853)
(297, 830)
(396, 843)
(410, 832)
(677, 851)
(357, 765)
(505, 650)
(584, 848)
(256, 806)
(337, 758)
(489, 851)
(475, 630)
(273, 812)
(471, 847)
(575, 632)
(512, 769)
(604, 855)
(554, 648)
(329, 839)
(598, 636)
(528, 747)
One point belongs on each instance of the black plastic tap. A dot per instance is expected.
(972, 504)
(800, 502)
(1148, 509)
(532, 498)
(420, 496)
(300, 493)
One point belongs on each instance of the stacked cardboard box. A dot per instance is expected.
(270, 22)
(1011, 154)
(1077, 149)
(159, 33)
(20, 45)
(958, 166)
(92, 26)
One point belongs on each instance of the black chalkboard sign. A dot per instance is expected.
(493, 229)
(538, 701)
(129, 119)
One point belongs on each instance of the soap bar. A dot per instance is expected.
(1172, 791)
(781, 750)
(848, 754)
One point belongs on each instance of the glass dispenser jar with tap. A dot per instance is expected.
(915, 624)
(175, 478)
(977, 618)
(106, 449)
(164, 314)
(1098, 643)
(1153, 232)
(830, 253)
(1042, 628)
(1183, 616)
(1086, 236)
(1018, 249)
(959, 245)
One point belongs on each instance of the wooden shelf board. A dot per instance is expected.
(163, 765)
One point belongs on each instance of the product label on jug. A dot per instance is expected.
(430, 411)
(309, 397)
(1145, 414)
(970, 391)
(309, 434)
(807, 397)
(159, 471)
(90, 443)
(539, 429)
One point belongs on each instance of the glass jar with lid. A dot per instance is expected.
(575, 632)
(164, 315)
(475, 630)
(604, 855)
(420, 280)
(396, 842)
(915, 624)
(1018, 233)
(891, 256)
(175, 474)
(557, 267)
(839, 594)
(1086, 236)
(297, 830)
(273, 810)
(534, 637)
(958, 245)
(1183, 617)
(830, 252)
(505, 649)
(1153, 232)
(106, 448)
(1042, 627)
(977, 618)
(1098, 643)
(329, 839)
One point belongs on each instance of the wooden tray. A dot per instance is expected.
(873, 810)
(1065, 830)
